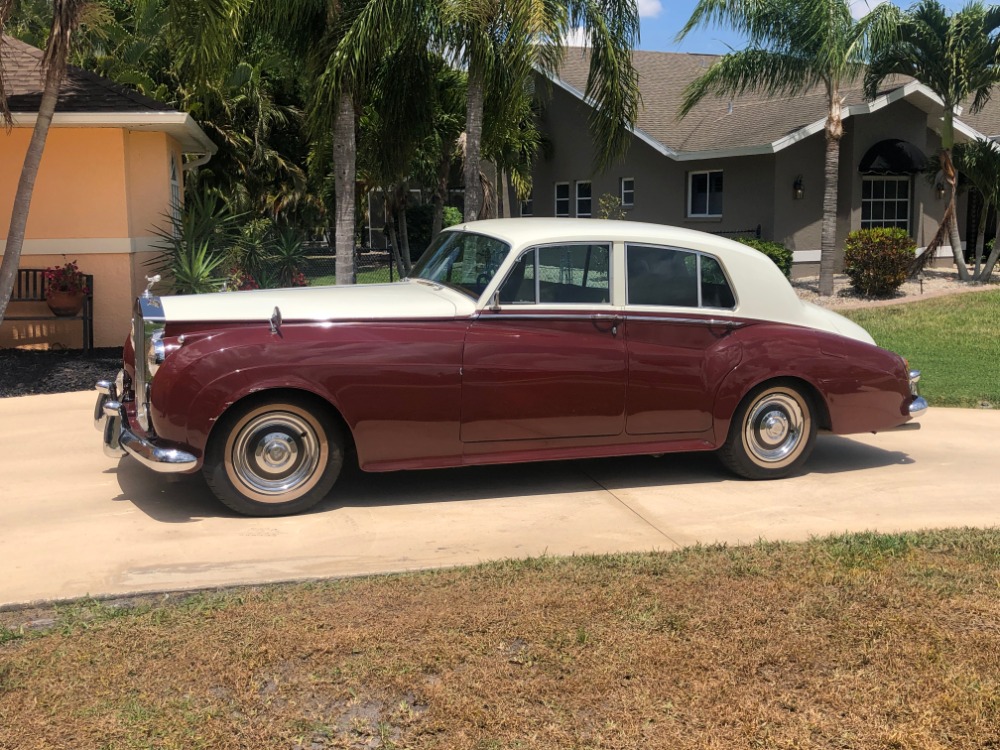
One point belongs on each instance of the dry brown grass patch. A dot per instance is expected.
(863, 641)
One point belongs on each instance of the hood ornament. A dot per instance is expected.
(276, 321)
(150, 280)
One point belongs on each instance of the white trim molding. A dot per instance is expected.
(88, 246)
(180, 125)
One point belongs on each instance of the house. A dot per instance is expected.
(110, 176)
(735, 164)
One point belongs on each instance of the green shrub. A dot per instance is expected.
(777, 252)
(877, 261)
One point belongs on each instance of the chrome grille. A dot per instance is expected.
(146, 321)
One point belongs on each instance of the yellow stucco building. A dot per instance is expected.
(111, 175)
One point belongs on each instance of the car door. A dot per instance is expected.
(679, 315)
(548, 361)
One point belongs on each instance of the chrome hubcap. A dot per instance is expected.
(774, 427)
(276, 453)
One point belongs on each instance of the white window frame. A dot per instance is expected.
(590, 199)
(630, 203)
(872, 223)
(528, 204)
(555, 193)
(175, 189)
(708, 201)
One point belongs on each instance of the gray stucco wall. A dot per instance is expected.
(757, 189)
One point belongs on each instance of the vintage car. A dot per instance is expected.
(513, 340)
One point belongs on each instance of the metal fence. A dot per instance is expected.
(371, 266)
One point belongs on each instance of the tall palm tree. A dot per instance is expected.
(66, 17)
(794, 46)
(956, 56)
(502, 42)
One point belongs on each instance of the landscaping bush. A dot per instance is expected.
(777, 252)
(877, 261)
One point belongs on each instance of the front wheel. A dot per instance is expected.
(772, 433)
(273, 458)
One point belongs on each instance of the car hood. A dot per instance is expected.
(404, 299)
(827, 320)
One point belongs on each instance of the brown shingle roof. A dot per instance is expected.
(82, 91)
(746, 121)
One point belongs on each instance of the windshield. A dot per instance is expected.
(462, 260)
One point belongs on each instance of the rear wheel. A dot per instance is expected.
(273, 458)
(772, 433)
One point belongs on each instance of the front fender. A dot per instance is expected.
(202, 378)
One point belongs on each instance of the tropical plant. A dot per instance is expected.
(979, 161)
(67, 15)
(501, 43)
(956, 56)
(794, 46)
(878, 260)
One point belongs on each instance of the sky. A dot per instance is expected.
(662, 19)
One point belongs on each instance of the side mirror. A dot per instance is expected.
(495, 301)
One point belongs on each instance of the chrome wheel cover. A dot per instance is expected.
(276, 454)
(775, 428)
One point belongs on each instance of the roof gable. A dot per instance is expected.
(750, 123)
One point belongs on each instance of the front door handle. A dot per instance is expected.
(612, 321)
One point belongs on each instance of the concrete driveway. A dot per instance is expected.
(74, 522)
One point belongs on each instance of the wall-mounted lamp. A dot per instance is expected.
(939, 190)
(798, 190)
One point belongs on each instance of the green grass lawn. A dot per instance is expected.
(954, 341)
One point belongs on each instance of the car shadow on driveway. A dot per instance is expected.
(186, 498)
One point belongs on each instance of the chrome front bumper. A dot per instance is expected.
(111, 419)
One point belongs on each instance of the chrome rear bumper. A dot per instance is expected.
(919, 404)
(111, 419)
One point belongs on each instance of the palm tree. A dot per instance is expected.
(979, 161)
(794, 46)
(502, 42)
(66, 17)
(955, 55)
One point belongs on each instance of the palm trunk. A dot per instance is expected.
(344, 156)
(828, 236)
(981, 238)
(473, 144)
(991, 261)
(404, 235)
(503, 195)
(441, 191)
(26, 186)
(951, 177)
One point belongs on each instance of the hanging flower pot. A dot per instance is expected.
(65, 289)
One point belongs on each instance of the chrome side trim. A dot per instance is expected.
(905, 427)
(616, 315)
(686, 321)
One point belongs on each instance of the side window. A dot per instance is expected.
(562, 199)
(560, 274)
(676, 278)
